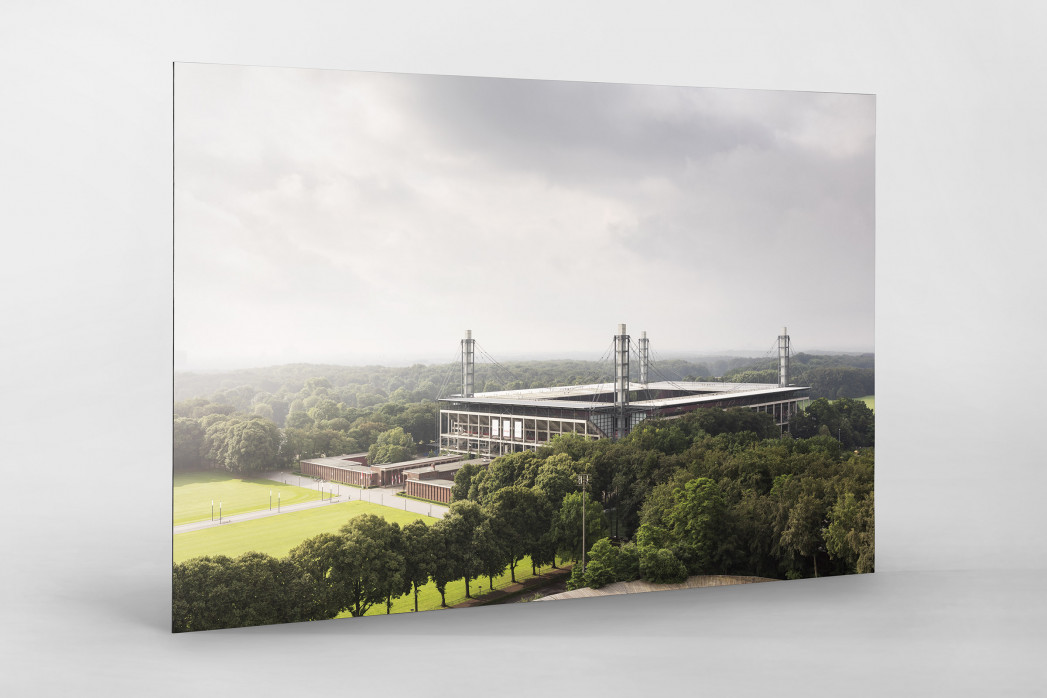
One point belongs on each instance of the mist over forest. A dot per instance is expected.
(829, 375)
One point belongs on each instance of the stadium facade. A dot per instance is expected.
(509, 421)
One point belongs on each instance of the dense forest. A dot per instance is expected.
(714, 492)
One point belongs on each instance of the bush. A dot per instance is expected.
(660, 566)
(576, 580)
(607, 563)
(627, 563)
(598, 574)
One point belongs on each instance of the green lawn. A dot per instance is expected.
(276, 535)
(194, 492)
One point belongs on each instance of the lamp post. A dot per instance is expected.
(583, 480)
(277, 502)
(212, 510)
(270, 500)
(219, 512)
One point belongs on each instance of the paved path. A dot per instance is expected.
(385, 496)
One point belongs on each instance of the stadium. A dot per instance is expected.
(508, 421)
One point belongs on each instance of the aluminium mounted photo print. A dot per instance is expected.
(446, 341)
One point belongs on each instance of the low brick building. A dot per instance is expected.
(354, 470)
(434, 481)
(433, 490)
(349, 469)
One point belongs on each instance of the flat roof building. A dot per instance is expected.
(354, 469)
(507, 421)
(434, 482)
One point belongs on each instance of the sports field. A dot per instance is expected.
(194, 492)
(276, 535)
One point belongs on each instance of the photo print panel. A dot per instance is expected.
(447, 341)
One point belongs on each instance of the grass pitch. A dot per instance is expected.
(276, 535)
(194, 492)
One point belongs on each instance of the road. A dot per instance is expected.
(386, 496)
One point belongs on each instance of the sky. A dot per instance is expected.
(327, 216)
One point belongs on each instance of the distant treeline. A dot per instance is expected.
(277, 391)
(828, 376)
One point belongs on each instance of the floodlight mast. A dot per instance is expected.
(783, 358)
(468, 352)
(621, 379)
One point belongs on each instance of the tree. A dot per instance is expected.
(515, 522)
(244, 445)
(215, 592)
(445, 562)
(849, 421)
(314, 560)
(850, 534)
(491, 551)
(395, 582)
(299, 420)
(370, 566)
(189, 445)
(200, 595)
(800, 519)
(660, 566)
(659, 435)
(506, 471)
(714, 421)
(542, 550)
(392, 446)
(419, 555)
(358, 567)
(460, 526)
(603, 562)
(568, 524)
(463, 480)
(556, 477)
(697, 524)
(419, 420)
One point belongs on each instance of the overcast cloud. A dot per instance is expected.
(329, 216)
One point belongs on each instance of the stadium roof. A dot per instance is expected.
(686, 392)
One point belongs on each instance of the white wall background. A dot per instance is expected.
(85, 350)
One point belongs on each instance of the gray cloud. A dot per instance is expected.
(326, 215)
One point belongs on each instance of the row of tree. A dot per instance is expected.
(372, 562)
(830, 377)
